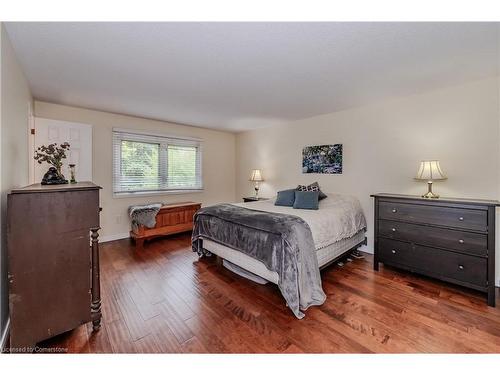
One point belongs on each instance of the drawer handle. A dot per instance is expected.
(461, 241)
(393, 229)
(461, 218)
(394, 251)
(460, 267)
(394, 210)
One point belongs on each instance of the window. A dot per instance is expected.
(151, 163)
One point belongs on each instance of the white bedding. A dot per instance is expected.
(339, 216)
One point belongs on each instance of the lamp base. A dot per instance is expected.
(429, 193)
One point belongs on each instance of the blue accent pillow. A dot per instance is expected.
(285, 198)
(306, 200)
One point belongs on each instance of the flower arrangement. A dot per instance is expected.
(52, 154)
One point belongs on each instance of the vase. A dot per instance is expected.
(72, 173)
(53, 177)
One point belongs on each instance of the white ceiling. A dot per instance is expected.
(239, 76)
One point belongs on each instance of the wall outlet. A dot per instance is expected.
(118, 219)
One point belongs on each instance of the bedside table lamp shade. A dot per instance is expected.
(430, 171)
(256, 177)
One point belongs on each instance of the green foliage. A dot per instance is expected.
(141, 167)
(52, 154)
(140, 163)
(181, 166)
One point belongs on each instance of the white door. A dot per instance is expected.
(79, 137)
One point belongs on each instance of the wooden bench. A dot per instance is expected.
(172, 218)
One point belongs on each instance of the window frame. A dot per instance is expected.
(163, 140)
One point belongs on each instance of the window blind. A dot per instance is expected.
(148, 162)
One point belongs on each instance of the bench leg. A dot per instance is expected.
(139, 244)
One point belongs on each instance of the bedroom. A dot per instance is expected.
(344, 201)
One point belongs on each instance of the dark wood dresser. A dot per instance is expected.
(53, 260)
(449, 239)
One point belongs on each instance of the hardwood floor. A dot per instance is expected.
(163, 299)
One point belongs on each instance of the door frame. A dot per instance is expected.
(31, 144)
(31, 148)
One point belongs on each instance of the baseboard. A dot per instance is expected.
(5, 336)
(114, 237)
(366, 249)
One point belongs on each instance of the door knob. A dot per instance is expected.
(394, 251)
(460, 241)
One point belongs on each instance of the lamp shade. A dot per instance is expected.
(256, 175)
(430, 170)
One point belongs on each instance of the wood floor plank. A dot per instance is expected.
(144, 305)
(131, 315)
(176, 324)
(147, 344)
(207, 335)
(98, 340)
(110, 309)
(119, 337)
(164, 336)
(194, 346)
(166, 300)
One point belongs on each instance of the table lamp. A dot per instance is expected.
(256, 177)
(430, 171)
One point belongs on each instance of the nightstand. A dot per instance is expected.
(253, 199)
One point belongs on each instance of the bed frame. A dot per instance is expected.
(355, 247)
(219, 259)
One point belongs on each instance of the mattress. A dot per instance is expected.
(339, 216)
(324, 254)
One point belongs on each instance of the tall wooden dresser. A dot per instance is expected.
(53, 260)
(449, 239)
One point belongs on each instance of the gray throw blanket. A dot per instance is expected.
(282, 242)
(144, 215)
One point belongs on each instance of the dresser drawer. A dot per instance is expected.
(472, 243)
(472, 219)
(434, 262)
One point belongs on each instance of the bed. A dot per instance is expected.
(282, 245)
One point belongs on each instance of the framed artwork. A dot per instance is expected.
(322, 159)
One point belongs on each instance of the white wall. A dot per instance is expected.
(218, 161)
(383, 144)
(15, 98)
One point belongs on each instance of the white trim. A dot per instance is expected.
(31, 144)
(5, 334)
(114, 237)
(144, 132)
